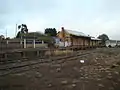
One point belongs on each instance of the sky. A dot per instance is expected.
(92, 17)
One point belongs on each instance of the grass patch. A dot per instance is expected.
(60, 52)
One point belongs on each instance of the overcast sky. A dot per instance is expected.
(92, 17)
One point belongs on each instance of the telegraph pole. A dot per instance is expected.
(6, 33)
(15, 30)
(34, 41)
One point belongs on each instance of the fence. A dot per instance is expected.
(18, 44)
(9, 45)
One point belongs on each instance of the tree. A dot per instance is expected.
(39, 36)
(23, 30)
(2, 37)
(8, 38)
(104, 38)
(50, 32)
(34, 35)
(18, 34)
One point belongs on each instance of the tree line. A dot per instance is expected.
(48, 32)
(23, 30)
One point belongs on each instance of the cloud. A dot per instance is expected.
(92, 17)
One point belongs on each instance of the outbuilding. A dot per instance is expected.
(112, 43)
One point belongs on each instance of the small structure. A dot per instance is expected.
(118, 43)
(112, 43)
(73, 38)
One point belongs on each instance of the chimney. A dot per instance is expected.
(62, 29)
(63, 34)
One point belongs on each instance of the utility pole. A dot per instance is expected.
(6, 39)
(15, 30)
(6, 33)
(34, 41)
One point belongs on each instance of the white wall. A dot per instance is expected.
(112, 43)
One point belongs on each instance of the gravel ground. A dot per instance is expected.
(100, 71)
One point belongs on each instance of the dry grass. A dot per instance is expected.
(58, 52)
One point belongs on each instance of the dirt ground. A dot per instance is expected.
(100, 71)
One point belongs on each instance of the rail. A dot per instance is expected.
(13, 68)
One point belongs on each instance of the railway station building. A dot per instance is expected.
(73, 38)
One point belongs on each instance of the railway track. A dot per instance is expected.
(8, 61)
(4, 62)
(27, 65)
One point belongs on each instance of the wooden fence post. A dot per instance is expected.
(34, 43)
(24, 43)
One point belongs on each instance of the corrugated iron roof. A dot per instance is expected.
(77, 33)
(92, 38)
(113, 41)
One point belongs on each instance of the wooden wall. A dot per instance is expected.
(81, 41)
(78, 41)
(95, 43)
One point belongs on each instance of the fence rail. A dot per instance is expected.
(18, 44)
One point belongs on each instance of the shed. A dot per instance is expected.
(112, 43)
